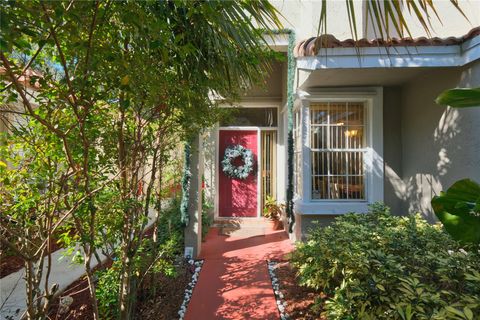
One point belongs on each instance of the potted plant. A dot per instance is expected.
(273, 212)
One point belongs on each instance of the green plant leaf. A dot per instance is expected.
(460, 97)
(468, 312)
(455, 209)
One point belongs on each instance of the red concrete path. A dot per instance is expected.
(234, 281)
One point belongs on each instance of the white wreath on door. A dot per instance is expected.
(238, 172)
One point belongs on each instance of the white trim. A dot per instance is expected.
(259, 156)
(259, 102)
(393, 57)
(248, 128)
(373, 97)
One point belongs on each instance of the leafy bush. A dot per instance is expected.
(207, 217)
(378, 266)
(150, 262)
(107, 290)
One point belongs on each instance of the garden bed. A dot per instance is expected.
(168, 298)
(298, 300)
(10, 263)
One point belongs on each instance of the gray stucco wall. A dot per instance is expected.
(439, 145)
(392, 148)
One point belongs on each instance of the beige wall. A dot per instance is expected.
(303, 17)
(439, 145)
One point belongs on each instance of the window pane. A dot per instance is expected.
(338, 113)
(336, 133)
(354, 137)
(319, 188)
(318, 137)
(356, 187)
(338, 136)
(338, 187)
(257, 117)
(355, 163)
(355, 113)
(319, 113)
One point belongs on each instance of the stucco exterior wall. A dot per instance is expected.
(303, 16)
(439, 145)
(392, 148)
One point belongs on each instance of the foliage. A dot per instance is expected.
(271, 209)
(290, 153)
(186, 185)
(107, 291)
(118, 84)
(459, 210)
(459, 207)
(164, 256)
(207, 215)
(377, 266)
(32, 178)
(460, 97)
(388, 17)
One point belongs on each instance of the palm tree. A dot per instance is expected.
(389, 16)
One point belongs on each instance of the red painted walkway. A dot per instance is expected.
(234, 281)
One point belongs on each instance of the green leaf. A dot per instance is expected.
(455, 209)
(468, 313)
(454, 311)
(460, 97)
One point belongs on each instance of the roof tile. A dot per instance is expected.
(311, 46)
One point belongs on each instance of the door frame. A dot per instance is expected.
(259, 161)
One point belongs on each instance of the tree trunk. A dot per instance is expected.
(91, 286)
(125, 299)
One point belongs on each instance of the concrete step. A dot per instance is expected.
(242, 227)
(247, 222)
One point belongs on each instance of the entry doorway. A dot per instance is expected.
(245, 197)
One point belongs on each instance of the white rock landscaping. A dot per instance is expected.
(279, 298)
(191, 285)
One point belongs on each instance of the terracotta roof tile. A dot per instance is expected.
(311, 46)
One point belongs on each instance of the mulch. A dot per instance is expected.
(168, 298)
(10, 263)
(163, 306)
(300, 300)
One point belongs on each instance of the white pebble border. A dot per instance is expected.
(281, 303)
(190, 286)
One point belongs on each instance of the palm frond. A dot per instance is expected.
(387, 18)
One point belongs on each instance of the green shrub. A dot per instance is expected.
(107, 290)
(378, 266)
(151, 261)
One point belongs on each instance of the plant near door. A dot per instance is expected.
(271, 209)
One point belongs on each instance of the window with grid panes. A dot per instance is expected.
(337, 133)
(297, 173)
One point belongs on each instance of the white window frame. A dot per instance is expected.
(373, 157)
(297, 132)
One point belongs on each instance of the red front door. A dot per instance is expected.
(238, 197)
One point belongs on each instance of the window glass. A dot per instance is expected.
(297, 155)
(337, 141)
(252, 117)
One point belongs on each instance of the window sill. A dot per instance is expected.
(329, 207)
